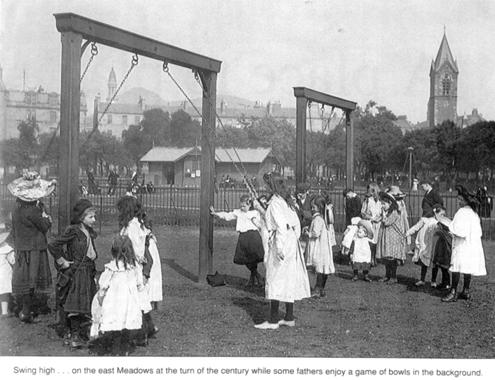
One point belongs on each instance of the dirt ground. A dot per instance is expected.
(354, 320)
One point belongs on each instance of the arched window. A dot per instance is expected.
(446, 84)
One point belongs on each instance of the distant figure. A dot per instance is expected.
(486, 202)
(353, 205)
(430, 198)
(112, 182)
(92, 185)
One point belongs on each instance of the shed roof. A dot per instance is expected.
(172, 154)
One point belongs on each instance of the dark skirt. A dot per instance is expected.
(361, 266)
(443, 251)
(78, 293)
(249, 249)
(31, 271)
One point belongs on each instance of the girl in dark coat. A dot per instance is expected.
(76, 280)
(30, 223)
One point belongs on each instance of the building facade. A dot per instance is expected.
(20, 105)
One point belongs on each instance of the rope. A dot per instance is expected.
(94, 52)
(134, 63)
(249, 186)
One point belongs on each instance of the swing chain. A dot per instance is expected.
(165, 67)
(134, 62)
(94, 52)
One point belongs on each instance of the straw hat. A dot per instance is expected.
(387, 197)
(367, 226)
(396, 192)
(30, 187)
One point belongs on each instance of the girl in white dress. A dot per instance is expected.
(286, 275)
(319, 249)
(7, 259)
(135, 225)
(116, 307)
(468, 257)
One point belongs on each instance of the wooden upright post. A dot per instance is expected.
(209, 80)
(301, 103)
(69, 126)
(349, 133)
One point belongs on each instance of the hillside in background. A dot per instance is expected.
(132, 95)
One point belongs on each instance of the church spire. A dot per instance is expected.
(112, 84)
(445, 55)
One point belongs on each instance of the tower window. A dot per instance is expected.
(446, 84)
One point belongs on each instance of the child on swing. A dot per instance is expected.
(249, 250)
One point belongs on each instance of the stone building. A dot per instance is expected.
(21, 105)
(444, 72)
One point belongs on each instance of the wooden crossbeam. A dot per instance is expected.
(303, 94)
(108, 35)
(322, 98)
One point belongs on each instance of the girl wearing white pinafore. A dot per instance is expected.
(137, 233)
(319, 249)
(468, 257)
(286, 275)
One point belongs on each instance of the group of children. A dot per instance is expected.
(381, 232)
(118, 310)
(110, 313)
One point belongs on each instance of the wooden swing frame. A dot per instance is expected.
(73, 29)
(303, 94)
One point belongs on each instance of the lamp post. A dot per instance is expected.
(410, 150)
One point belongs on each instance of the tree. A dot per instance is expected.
(376, 137)
(183, 130)
(135, 143)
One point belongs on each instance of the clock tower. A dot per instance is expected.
(442, 105)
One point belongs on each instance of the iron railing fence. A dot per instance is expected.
(171, 205)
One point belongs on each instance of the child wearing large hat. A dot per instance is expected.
(30, 223)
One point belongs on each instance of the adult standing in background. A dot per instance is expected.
(112, 181)
(468, 257)
(353, 205)
(371, 210)
(430, 199)
(286, 276)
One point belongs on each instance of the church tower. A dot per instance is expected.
(112, 84)
(443, 86)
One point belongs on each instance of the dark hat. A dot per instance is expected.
(302, 187)
(79, 209)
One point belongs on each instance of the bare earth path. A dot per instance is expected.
(356, 319)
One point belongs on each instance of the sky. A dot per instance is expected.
(358, 50)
